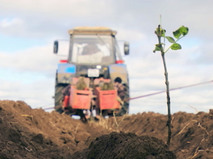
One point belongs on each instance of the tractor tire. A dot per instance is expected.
(125, 107)
(59, 97)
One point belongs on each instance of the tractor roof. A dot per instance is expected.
(92, 31)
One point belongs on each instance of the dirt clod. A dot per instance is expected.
(126, 146)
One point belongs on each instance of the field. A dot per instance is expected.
(27, 133)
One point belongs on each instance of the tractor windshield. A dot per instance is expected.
(92, 49)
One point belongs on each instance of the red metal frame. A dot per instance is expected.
(80, 99)
(107, 99)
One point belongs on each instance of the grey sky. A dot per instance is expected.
(30, 27)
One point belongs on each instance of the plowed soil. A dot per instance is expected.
(27, 133)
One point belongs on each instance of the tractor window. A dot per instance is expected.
(92, 49)
(117, 51)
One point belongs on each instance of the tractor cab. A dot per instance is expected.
(94, 46)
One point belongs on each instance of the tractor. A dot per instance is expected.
(93, 79)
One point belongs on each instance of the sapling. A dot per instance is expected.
(178, 34)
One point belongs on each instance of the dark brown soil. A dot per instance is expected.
(27, 133)
(126, 146)
(192, 134)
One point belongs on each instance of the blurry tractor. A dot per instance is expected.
(93, 80)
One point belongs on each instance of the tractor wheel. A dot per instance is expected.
(125, 106)
(124, 109)
(59, 97)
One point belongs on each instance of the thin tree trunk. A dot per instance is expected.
(168, 100)
(167, 89)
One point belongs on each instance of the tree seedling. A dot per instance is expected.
(178, 34)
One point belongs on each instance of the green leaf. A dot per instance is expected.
(157, 47)
(160, 31)
(170, 39)
(177, 34)
(184, 30)
(157, 31)
(163, 32)
(181, 31)
(176, 46)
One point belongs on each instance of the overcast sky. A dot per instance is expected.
(29, 27)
